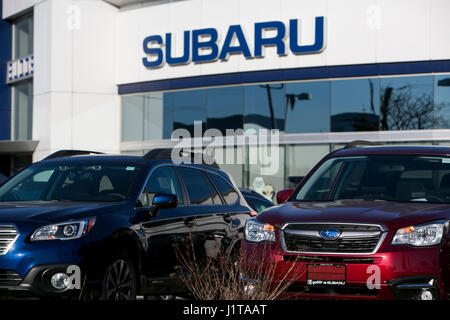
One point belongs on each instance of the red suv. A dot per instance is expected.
(367, 222)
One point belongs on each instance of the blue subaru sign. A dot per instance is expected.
(202, 45)
(330, 234)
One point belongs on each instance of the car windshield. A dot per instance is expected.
(401, 178)
(56, 182)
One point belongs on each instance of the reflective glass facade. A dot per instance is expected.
(23, 36)
(22, 92)
(303, 107)
(371, 104)
(23, 110)
(355, 105)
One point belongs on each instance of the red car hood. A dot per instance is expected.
(390, 214)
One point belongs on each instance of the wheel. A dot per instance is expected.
(119, 281)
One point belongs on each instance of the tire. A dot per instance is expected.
(120, 279)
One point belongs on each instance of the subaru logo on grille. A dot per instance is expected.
(330, 234)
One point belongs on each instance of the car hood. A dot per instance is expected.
(53, 212)
(387, 213)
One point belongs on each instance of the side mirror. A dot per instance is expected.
(160, 201)
(165, 201)
(283, 195)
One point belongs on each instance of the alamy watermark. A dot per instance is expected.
(251, 146)
(374, 279)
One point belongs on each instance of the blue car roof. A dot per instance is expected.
(120, 159)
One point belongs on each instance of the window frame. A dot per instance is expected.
(211, 184)
(181, 202)
(203, 172)
(25, 16)
(253, 198)
(220, 193)
(14, 111)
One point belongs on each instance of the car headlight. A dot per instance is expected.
(63, 231)
(423, 235)
(256, 231)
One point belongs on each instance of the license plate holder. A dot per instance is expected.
(326, 274)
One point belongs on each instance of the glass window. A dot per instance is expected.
(259, 205)
(442, 101)
(307, 107)
(230, 159)
(32, 187)
(225, 108)
(189, 106)
(196, 185)
(162, 180)
(23, 37)
(318, 186)
(215, 195)
(229, 194)
(235, 171)
(403, 178)
(355, 105)
(167, 115)
(264, 106)
(406, 103)
(132, 116)
(23, 110)
(58, 182)
(265, 170)
(301, 159)
(142, 117)
(153, 116)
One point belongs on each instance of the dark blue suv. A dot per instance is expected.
(107, 226)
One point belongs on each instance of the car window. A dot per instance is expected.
(320, 188)
(196, 185)
(229, 194)
(73, 182)
(215, 195)
(162, 180)
(380, 177)
(259, 205)
(33, 187)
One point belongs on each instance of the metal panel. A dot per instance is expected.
(18, 147)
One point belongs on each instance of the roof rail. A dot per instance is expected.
(361, 143)
(185, 156)
(70, 153)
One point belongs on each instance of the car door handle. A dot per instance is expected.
(189, 222)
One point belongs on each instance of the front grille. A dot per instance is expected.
(353, 238)
(328, 259)
(9, 278)
(8, 235)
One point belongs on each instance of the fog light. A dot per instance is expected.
(426, 295)
(60, 281)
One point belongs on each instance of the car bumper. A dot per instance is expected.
(384, 275)
(26, 270)
(37, 282)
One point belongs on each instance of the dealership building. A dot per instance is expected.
(119, 76)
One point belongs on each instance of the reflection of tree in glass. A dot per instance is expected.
(403, 109)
